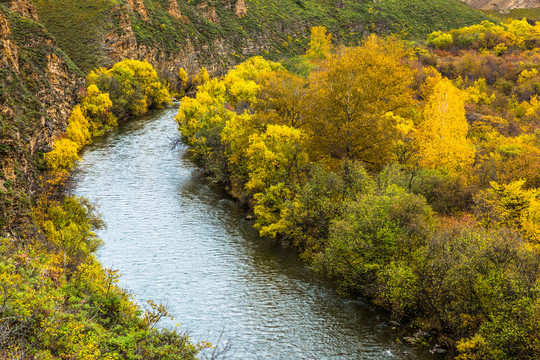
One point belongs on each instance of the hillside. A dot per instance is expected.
(40, 83)
(38, 87)
(218, 34)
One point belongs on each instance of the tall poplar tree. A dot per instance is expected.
(442, 136)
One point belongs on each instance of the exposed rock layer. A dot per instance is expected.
(503, 4)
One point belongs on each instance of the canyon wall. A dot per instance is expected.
(38, 87)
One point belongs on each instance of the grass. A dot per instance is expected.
(78, 25)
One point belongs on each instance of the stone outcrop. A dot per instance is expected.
(24, 8)
(120, 42)
(8, 50)
(174, 10)
(240, 8)
(138, 6)
(208, 11)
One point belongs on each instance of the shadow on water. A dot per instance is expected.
(179, 239)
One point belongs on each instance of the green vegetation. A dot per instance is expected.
(57, 301)
(381, 214)
(408, 175)
(532, 14)
(78, 27)
(282, 25)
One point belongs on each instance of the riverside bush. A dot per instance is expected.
(447, 242)
(57, 300)
(133, 87)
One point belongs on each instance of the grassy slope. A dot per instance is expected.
(348, 20)
(281, 25)
(77, 26)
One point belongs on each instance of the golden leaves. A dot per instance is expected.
(442, 136)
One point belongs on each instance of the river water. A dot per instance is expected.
(180, 240)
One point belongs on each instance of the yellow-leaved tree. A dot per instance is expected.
(320, 44)
(133, 87)
(78, 127)
(203, 77)
(201, 119)
(351, 98)
(243, 82)
(96, 106)
(276, 163)
(442, 136)
(281, 99)
(62, 156)
(276, 156)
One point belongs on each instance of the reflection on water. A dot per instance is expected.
(180, 240)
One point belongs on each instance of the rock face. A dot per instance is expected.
(8, 50)
(502, 4)
(174, 10)
(38, 91)
(216, 54)
(240, 8)
(24, 8)
(138, 6)
(120, 42)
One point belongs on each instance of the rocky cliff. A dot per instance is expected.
(503, 4)
(38, 87)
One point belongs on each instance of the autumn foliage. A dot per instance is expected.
(57, 301)
(408, 174)
(135, 88)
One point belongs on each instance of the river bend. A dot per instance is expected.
(180, 240)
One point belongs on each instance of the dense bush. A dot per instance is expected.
(419, 192)
(133, 87)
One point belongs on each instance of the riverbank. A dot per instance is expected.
(393, 177)
(180, 239)
(57, 300)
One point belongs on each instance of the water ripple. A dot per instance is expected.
(180, 240)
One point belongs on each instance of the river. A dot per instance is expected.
(180, 240)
